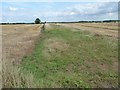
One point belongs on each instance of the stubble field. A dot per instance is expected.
(65, 55)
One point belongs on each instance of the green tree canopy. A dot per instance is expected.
(37, 21)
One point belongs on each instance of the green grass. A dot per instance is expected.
(65, 58)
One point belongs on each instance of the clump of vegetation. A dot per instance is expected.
(37, 21)
(13, 77)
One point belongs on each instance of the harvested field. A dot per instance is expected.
(65, 55)
(18, 40)
(107, 29)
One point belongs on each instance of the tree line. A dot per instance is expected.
(38, 21)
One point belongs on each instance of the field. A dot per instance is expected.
(65, 55)
(17, 41)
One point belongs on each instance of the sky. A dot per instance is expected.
(58, 11)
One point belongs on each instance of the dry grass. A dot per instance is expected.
(109, 26)
(14, 78)
(59, 56)
(18, 40)
(106, 29)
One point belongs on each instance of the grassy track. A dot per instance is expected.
(66, 58)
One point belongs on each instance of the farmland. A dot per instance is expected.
(17, 41)
(65, 55)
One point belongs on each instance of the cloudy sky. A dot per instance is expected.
(58, 11)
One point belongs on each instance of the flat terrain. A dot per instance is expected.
(107, 29)
(65, 55)
(18, 40)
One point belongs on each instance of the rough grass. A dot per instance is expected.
(66, 58)
(13, 77)
(17, 41)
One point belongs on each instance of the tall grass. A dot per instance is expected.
(13, 77)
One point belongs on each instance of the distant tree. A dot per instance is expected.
(37, 21)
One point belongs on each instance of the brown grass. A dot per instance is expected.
(107, 29)
(18, 40)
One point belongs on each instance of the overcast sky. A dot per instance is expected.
(58, 11)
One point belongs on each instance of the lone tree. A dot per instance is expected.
(37, 21)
